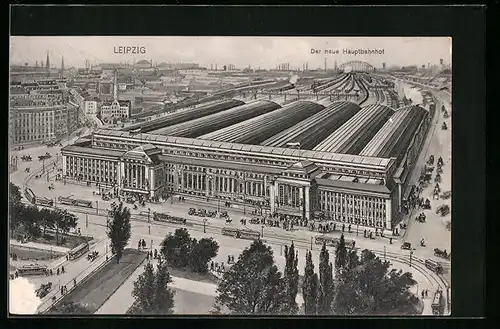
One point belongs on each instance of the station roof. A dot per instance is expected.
(396, 133)
(93, 151)
(378, 163)
(353, 135)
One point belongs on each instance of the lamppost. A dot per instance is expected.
(204, 225)
(311, 243)
(262, 230)
(97, 207)
(86, 220)
(384, 255)
(411, 254)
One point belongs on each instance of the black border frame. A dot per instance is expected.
(466, 25)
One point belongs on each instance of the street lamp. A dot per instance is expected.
(262, 230)
(411, 254)
(204, 225)
(384, 254)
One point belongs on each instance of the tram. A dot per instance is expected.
(249, 235)
(66, 200)
(42, 201)
(229, 231)
(82, 203)
(438, 303)
(32, 269)
(78, 251)
(434, 266)
(167, 218)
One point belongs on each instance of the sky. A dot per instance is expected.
(264, 52)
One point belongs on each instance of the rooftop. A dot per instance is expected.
(380, 163)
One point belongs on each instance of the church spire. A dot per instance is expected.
(47, 63)
(115, 87)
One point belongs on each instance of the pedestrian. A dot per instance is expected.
(423, 294)
(143, 243)
(51, 273)
(62, 269)
(147, 256)
(212, 265)
(74, 282)
(62, 290)
(67, 257)
(426, 293)
(156, 253)
(57, 271)
(390, 240)
(349, 228)
(364, 233)
(229, 259)
(139, 245)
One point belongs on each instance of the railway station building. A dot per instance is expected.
(239, 152)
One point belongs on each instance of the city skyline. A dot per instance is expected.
(263, 52)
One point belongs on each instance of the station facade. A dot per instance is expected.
(346, 189)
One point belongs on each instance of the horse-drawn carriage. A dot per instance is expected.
(43, 290)
(224, 214)
(255, 220)
(435, 195)
(442, 253)
(93, 255)
(406, 246)
(192, 211)
(44, 156)
(443, 210)
(421, 218)
(446, 115)
(446, 195)
(26, 158)
(439, 170)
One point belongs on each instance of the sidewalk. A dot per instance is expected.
(40, 246)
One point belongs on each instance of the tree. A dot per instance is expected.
(119, 229)
(340, 256)
(370, 288)
(14, 193)
(310, 286)
(151, 292)
(16, 208)
(326, 288)
(253, 285)
(177, 247)
(291, 276)
(30, 220)
(47, 219)
(201, 253)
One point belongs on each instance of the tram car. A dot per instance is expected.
(66, 200)
(434, 266)
(230, 231)
(438, 303)
(32, 270)
(160, 217)
(83, 203)
(42, 201)
(249, 235)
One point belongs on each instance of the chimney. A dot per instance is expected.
(325, 63)
(47, 63)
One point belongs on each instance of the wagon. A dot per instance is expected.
(406, 246)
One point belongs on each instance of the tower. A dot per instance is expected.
(62, 64)
(115, 87)
(47, 63)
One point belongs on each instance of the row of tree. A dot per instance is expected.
(29, 220)
(151, 293)
(358, 285)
